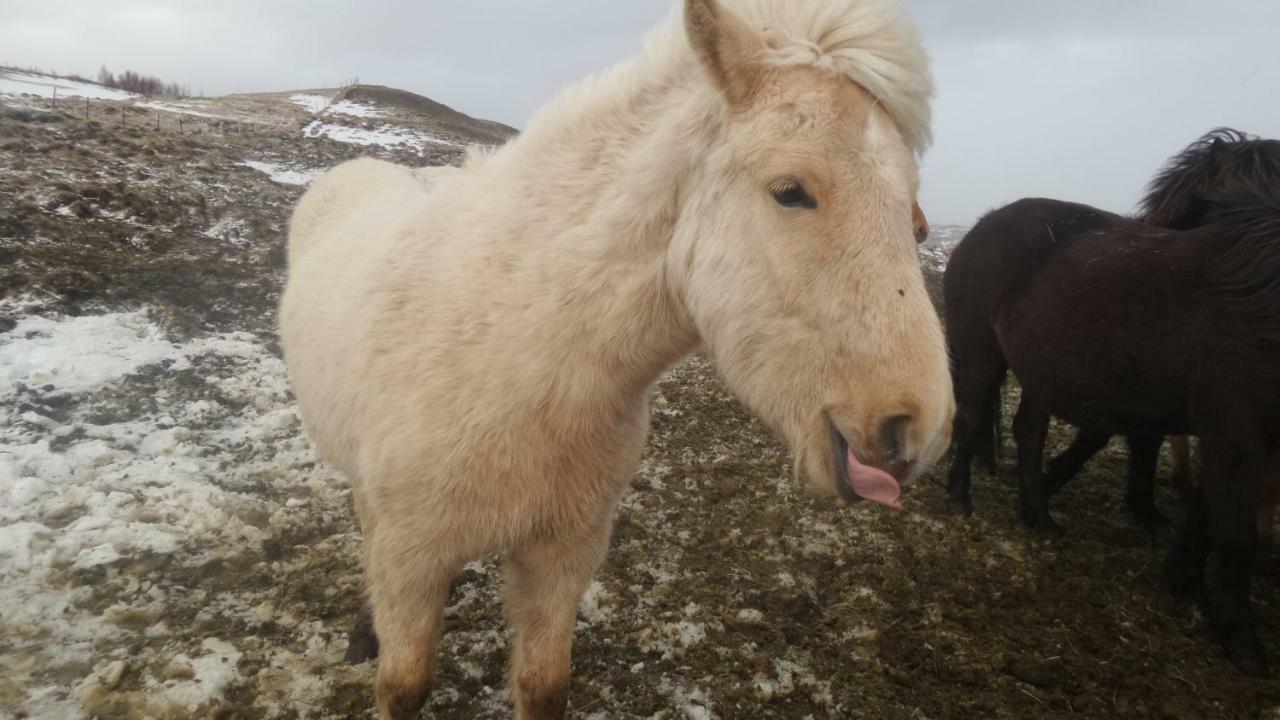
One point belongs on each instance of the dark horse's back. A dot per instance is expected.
(1040, 286)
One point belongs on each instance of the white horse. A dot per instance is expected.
(474, 347)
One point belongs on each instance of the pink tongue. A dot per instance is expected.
(872, 484)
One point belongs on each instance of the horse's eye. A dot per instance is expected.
(791, 194)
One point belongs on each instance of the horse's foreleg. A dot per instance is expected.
(545, 582)
(1067, 465)
(1144, 454)
(408, 586)
(1030, 428)
(1232, 475)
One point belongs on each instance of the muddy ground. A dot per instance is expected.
(727, 593)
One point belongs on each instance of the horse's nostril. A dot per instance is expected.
(893, 437)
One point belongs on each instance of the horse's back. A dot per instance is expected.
(342, 248)
(352, 194)
(1012, 242)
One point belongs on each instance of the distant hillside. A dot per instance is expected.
(444, 115)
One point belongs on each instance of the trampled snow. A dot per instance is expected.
(15, 82)
(89, 481)
(71, 355)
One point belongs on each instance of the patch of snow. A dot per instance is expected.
(282, 175)
(108, 483)
(595, 603)
(229, 229)
(69, 355)
(313, 103)
(355, 109)
(181, 109)
(211, 674)
(387, 136)
(936, 252)
(691, 703)
(15, 82)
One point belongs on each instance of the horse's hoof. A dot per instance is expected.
(362, 646)
(1245, 651)
(960, 506)
(1049, 529)
(1152, 522)
(1184, 581)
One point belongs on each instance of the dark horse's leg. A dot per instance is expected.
(987, 444)
(1180, 449)
(1144, 454)
(1269, 495)
(1067, 465)
(1030, 428)
(362, 645)
(1265, 563)
(1233, 468)
(978, 376)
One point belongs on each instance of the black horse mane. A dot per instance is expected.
(1223, 161)
(1248, 268)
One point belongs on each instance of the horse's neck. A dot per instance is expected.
(600, 186)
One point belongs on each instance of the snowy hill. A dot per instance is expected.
(16, 84)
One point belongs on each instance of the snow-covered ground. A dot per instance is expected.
(386, 136)
(15, 82)
(282, 175)
(89, 481)
(186, 108)
(942, 240)
(313, 103)
(355, 109)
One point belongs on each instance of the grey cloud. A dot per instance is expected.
(1079, 100)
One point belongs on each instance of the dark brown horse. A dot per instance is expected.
(1123, 328)
(1180, 197)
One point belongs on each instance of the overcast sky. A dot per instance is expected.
(1075, 99)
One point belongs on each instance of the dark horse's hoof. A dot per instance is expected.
(1184, 577)
(1245, 651)
(1042, 523)
(1152, 521)
(1047, 528)
(961, 505)
(362, 646)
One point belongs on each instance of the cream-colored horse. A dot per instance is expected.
(474, 347)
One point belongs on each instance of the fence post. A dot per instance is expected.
(55, 97)
(86, 109)
(157, 121)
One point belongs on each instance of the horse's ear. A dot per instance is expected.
(726, 46)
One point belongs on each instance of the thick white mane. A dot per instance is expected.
(872, 42)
